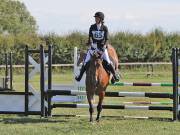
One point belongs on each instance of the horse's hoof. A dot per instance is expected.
(78, 79)
(97, 119)
(91, 120)
(113, 80)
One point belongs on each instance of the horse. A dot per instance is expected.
(97, 79)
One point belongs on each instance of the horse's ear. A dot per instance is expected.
(81, 56)
(82, 53)
(79, 50)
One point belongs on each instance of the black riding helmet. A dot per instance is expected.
(100, 15)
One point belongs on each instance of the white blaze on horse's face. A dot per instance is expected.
(96, 53)
(93, 52)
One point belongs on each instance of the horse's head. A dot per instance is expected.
(96, 76)
(96, 57)
(81, 57)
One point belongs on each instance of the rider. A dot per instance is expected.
(98, 39)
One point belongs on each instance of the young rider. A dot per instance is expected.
(98, 39)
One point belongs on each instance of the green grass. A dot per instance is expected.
(63, 125)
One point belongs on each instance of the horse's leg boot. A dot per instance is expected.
(112, 70)
(113, 80)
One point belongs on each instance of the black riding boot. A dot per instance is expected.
(112, 70)
(82, 70)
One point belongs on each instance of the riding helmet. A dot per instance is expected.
(100, 15)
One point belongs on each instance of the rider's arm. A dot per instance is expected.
(106, 36)
(90, 41)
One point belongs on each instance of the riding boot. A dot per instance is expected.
(112, 70)
(82, 70)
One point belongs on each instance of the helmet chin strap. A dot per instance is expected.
(101, 21)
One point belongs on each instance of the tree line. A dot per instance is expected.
(18, 29)
(155, 46)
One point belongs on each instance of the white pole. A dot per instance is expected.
(75, 64)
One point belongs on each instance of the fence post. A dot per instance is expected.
(26, 101)
(49, 78)
(42, 82)
(175, 83)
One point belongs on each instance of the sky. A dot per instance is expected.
(140, 16)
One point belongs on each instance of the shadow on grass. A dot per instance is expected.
(121, 117)
(138, 118)
(30, 120)
(68, 118)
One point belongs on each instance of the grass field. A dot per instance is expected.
(79, 125)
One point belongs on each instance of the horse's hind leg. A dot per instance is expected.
(91, 109)
(99, 106)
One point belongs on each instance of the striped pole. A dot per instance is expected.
(146, 102)
(141, 84)
(114, 107)
(114, 94)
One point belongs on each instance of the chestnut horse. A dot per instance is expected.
(97, 79)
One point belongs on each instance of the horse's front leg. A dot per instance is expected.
(91, 109)
(99, 106)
